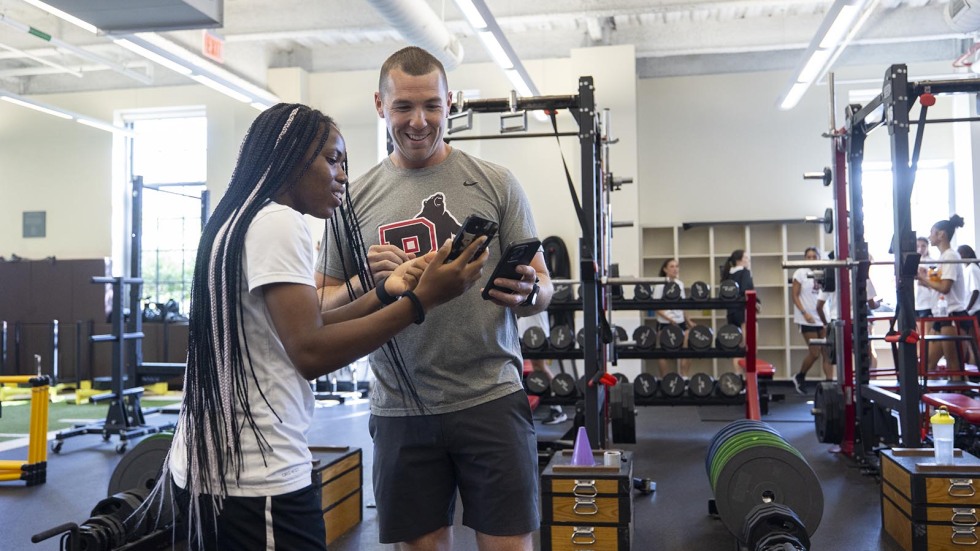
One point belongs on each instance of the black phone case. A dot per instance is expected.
(472, 228)
(517, 254)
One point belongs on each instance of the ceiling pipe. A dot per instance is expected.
(420, 26)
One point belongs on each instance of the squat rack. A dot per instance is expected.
(865, 404)
(592, 214)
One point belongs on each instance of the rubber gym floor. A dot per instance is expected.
(671, 449)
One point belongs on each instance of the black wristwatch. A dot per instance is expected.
(532, 298)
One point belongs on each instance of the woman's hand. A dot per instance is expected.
(407, 275)
(809, 318)
(443, 281)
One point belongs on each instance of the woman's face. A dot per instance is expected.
(935, 236)
(744, 261)
(320, 190)
(811, 255)
(672, 269)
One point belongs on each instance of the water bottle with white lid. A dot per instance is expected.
(942, 308)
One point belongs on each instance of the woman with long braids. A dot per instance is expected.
(240, 462)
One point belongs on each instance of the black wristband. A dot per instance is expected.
(416, 305)
(383, 294)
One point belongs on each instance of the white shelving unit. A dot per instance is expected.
(702, 251)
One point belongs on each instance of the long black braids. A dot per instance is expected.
(216, 392)
(356, 248)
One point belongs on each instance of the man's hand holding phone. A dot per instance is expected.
(514, 281)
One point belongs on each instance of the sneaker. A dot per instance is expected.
(799, 381)
(556, 416)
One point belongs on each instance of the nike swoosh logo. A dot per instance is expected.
(468, 184)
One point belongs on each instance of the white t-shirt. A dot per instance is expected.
(809, 289)
(668, 316)
(925, 297)
(278, 249)
(971, 276)
(956, 297)
(830, 304)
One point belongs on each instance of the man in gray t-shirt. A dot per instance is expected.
(475, 432)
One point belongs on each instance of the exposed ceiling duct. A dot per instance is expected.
(963, 15)
(419, 25)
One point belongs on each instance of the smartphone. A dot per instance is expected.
(472, 228)
(518, 253)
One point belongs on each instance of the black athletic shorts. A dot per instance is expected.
(287, 522)
(964, 325)
(488, 452)
(810, 328)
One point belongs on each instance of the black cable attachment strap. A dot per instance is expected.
(568, 175)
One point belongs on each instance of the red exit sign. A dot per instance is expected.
(213, 47)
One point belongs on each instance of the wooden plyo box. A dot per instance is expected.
(587, 507)
(929, 507)
(338, 475)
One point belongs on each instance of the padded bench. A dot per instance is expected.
(763, 369)
(532, 400)
(958, 405)
(764, 372)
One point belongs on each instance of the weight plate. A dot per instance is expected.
(828, 413)
(701, 385)
(645, 337)
(671, 337)
(534, 338)
(580, 338)
(828, 220)
(645, 385)
(700, 337)
(742, 442)
(730, 384)
(700, 291)
(537, 383)
(728, 290)
(562, 293)
(766, 471)
(729, 337)
(621, 334)
(735, 427)
(673, 385)
(563, 385)
(672, 291)
(621, 378)
(561, 337)
(139, 468)
(642, 291)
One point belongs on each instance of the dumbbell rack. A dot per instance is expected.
(750, 397)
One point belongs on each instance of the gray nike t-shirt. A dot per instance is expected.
(467, 352)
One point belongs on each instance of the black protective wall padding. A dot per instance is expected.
(560, 267)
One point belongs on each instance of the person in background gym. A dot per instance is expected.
(671, 269)
(805, 291)
(468, 427)
(949, 284)
(971, 274)
(556, 414)
(240, 462)
(736, 268)
(924, 296)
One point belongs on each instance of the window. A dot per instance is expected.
(169, 153)
(930, 203)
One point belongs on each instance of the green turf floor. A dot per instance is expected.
(15, 414)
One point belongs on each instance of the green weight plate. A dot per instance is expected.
(739, 425)
(732, 451)
(765, 471)
(739, 436)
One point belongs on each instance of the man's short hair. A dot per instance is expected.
(414, 61)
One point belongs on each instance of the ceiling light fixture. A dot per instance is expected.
(54, 111)
(479, 17)
(842, 22)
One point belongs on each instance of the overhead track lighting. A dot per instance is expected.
(842, 22)
(482, 21)
(54, 111)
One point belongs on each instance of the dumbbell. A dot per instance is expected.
(645, 385)
(580, 337)
(561, 338)
(701, 385)
(728, 290)
(562, 293)
(620, 334)
(563, 385)
(534, 338)
(673, 385)
(642, 291)
(730, 384)
(671, 337)
(700, 291)
(536, 383)
(729, 337)
(645, 337)
(620, 378)
(700, 337)
(672, 291)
